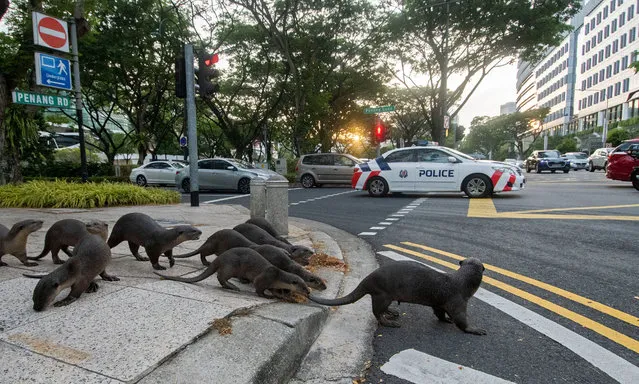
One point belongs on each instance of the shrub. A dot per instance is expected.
(617, 135)
(67, 169)
(62, 194)
(568, 144)
(93, 179)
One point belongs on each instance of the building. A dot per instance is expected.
(586, 80)
(507, 108)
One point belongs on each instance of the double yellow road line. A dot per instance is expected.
(599, 328)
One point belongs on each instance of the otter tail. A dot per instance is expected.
(34, 276)
(41, 255)
(352, 297)
(211, 269)
(185, 255)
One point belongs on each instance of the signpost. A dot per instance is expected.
(372, 110)
(50, 32)
(53, 71)
(42, 100)
(183, 141)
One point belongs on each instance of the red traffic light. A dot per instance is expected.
(211, 59)
(380, 131)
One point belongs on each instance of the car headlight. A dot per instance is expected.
(504, 170)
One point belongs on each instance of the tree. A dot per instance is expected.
(483, 137)
(617, 136)
(466, 40)
(518, 125)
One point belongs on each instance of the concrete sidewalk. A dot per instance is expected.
(143, 329)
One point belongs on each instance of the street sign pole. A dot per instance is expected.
(191, 129)
(78, 101)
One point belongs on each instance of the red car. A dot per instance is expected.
(623, 160)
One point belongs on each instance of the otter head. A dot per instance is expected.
(27, 226)
(301, 254)
(97, 227)
(315, 282)
(187, 232)
(288, 281)
(45, 292)
(472, 262)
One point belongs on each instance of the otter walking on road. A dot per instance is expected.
(90, 258)
(245, 263)
(14, 241)
(139, 229)
(218, 243)
(68, 232)
(411, 282)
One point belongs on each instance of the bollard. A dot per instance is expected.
(277, 203)
(258, 198)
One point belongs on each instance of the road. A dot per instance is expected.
(560, 294)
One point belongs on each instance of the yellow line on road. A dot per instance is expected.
(599, 328)
(485, 208)
(623, 316)
(580, 208)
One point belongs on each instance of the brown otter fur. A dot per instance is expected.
(218, 243)
(14, 241)
(299, 253)
(68, 232)
(281, 259)
(268, 227)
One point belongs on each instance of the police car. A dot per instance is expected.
(435, 169)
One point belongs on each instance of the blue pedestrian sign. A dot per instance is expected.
(52, 71)
(183, 141)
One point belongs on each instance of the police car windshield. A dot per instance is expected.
(460, 154)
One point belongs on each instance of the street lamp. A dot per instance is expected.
(604, 134)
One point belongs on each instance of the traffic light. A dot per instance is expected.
(180, 77)
(380, 131)
(206, 74)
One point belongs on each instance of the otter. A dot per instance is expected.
(281, 259)
(90, 258)
(68, 232)
(268, 227)
(299, 253)
(411, 282)
(245, 263)
(141, 230)
(218, 243)
(14, 241)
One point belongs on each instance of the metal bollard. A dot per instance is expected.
(277, 203)
(258, 198)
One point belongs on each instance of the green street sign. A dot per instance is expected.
(386, 108)
(42, 100)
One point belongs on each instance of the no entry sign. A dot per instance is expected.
(50, 32)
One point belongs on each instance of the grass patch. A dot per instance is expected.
(63, 194)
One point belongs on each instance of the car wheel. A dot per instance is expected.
(478, 186)
(244, 186)
(186, 185)
(141, 181)
(635, 182)
(527, 169)
(307, 181)
(565, 170)
(537, 169)
(605, 168)
(377, 187)
(553, 171)
(591, 167)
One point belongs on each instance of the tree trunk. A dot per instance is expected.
(4, 103)
(141, 154)
(16, 176)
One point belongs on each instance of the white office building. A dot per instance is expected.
(588, 73)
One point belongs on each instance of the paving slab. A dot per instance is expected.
(121, 335)
(20, 365)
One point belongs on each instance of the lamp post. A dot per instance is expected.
(604, 134)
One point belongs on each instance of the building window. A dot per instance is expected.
(594, 60)
(609, 93)
(616, 68)
(624, 62)
(613, 6)
(589, 81)
(587, 45)
(622, 19)
(601, 55)
(596, 98)
(606, 31)
(583, 84)
(593, 41)
(632, 34)
(589, 100)
(614, 26)
(615, 46)
(617, 88)
(624, 40)
(631, 12)
(602, 74)
(598, 18)
(599, 36)
(608, 51)
(605, 12)
(609, 71)
(602, 94)
(626, 85)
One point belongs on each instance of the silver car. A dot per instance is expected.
(578, 160)
(599, 159)
(222, 174)
(155, 172)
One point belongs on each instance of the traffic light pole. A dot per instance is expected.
(189, 105)
(84, 173)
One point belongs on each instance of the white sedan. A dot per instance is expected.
(156, 172)
(435, 169)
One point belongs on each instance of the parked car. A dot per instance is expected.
(622, 160)
(599, 159)
(155, 172)
(549, 160)
(515, 162)
(635, 178)
(222, 174)
(316, 169)
(578, 160)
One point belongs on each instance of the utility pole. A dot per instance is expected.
(443, 94)
(78, 100)
(189, 105)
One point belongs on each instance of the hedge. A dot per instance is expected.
(63, 194)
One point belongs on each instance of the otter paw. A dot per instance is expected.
(383, 321)
(30, 264)
(159, 267)
(93, 287)
(391, 313)
(64, 302)
(171, 262)
(142, 258)
(3, 264)
(58, 261)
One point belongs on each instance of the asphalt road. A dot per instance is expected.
(560, 296)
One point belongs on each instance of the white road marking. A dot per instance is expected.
(367, 234)
(418, 367)
(611, 364)
(392, 219)
(385, 223)
(377, 228)
(397, 215)
(224, 199)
